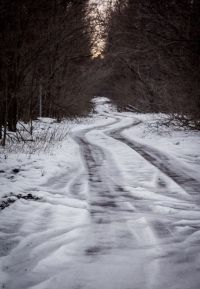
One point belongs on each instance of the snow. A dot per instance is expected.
(118, 206)
(103, 105)
(184, 145)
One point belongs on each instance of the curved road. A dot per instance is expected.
(139, 228)
(127, 229)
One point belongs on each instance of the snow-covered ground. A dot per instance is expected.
(115, 205)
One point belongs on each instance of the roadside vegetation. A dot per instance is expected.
(57, 55)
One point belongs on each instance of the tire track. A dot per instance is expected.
(159, 160)
(102, 191)
(111, 207)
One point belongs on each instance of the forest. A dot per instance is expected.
(56, 55)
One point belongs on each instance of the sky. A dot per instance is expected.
(101, 9)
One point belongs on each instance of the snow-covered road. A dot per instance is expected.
(124, 215)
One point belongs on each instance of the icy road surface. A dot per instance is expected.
(124, 214)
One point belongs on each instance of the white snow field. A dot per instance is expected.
(117, 206)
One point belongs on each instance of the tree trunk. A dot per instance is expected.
(12, 115)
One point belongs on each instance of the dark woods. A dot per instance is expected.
(154, 48)
(44, 47)
(151, 58)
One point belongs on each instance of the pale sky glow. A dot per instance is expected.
(101, 8)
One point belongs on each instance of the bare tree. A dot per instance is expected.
(44, 45)
(155, 51)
